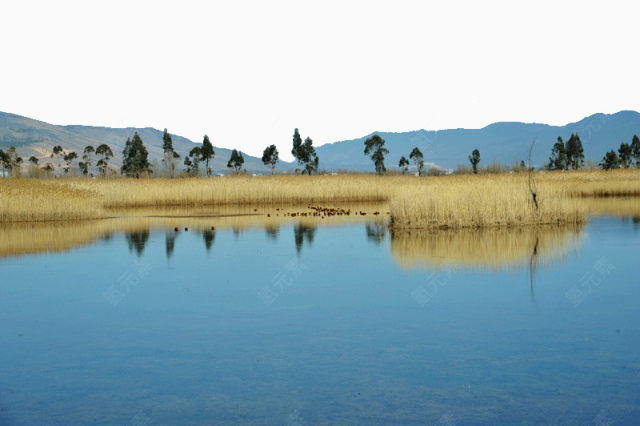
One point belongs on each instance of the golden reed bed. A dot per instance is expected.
(446, 201)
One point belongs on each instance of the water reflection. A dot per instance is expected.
(137, 240)
(486, 248)
(376, 232)
(170, 242)
(303, 233)
(208, 237)
(272, 232)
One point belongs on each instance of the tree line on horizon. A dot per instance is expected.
(135, 162)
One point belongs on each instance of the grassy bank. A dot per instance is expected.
(451, 201)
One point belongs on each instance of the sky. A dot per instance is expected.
(248, 72)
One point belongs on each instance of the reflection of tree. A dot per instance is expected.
(636, 221)
(137, 240)
(236, 231)
(376, 232)
(533, 265)
(170, 242)
(272, 232)
(301, 233)
(208, 237)
(107, 237)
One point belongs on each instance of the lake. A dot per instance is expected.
(309, 320)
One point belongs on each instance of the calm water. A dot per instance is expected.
(303, 325)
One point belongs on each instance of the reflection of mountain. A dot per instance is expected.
(301, 233)
(137, 240)
(484, 249)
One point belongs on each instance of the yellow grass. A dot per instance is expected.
(485, 201)
(449, 201)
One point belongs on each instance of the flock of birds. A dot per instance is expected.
(318, 211)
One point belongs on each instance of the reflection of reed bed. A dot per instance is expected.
(44, 237)
(612, 206)
(485, 203)
(49, 237)
(493, 249)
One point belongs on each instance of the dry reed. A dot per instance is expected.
(453, 201)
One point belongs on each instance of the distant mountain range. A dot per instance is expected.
(32, 137)
(504, 142)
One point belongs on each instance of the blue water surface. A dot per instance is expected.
(306, 325)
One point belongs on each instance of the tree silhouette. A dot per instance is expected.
(610, 161)
(135, 160)
(418, 159)
(236, 161)
(625, 153)
(474, 159)
(270, 157)
(170, 155)
(207, 153)
(403, 164)
(106, 154)
(374, 146)
(558, 159)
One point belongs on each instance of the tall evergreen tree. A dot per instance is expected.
(297, 151)
(69, 158)
(575, 152)
(374, 146)
(610, 161)
(558, 159)
(57, 154)
(309, 156)
(207, 153)
(625, 153)
(105, 154)
(403, 164)
(4, 161)
(85, 165)
(418, 159)
(474, 159)
(11, 161)
(135, 160)
(192, 161)
(236, 161)
(635, 149)
(270, 157)
(170, 155)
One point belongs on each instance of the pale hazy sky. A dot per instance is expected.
(247, 73)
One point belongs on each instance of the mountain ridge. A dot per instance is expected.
(504, 142)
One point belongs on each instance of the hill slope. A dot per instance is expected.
(504, 142)
(32, 137)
